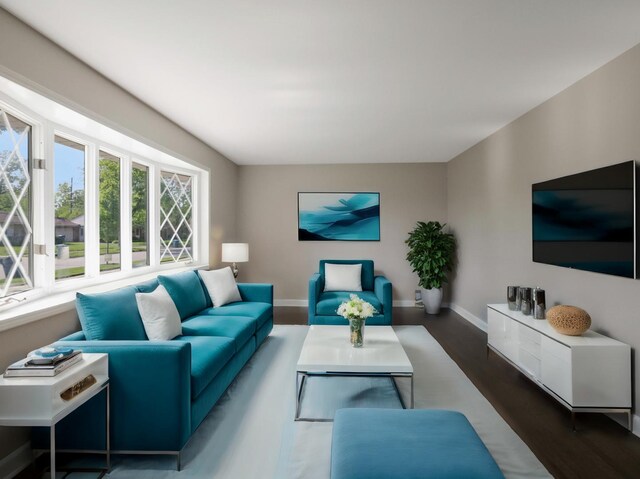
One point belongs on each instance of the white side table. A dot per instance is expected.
(37, 401)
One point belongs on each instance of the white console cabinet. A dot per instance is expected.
(588, 373)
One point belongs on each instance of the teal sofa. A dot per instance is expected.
(162, 390)
(323, 306)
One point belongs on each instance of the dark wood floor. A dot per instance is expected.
(599, 448)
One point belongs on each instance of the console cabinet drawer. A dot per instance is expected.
(556, 376)
(560, 351)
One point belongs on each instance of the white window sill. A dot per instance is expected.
(40, 308)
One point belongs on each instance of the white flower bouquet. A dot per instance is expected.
(356, 311)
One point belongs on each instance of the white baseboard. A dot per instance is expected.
(472, 318)
(15, 462)
(303, 303)
(398, 303)
(404, 303)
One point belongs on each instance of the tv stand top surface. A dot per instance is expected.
(589, 338)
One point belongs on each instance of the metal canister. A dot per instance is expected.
(512, 297)
(526, 300)
(539, 303)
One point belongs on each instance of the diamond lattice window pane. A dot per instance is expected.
(15, 205)
(176, 208)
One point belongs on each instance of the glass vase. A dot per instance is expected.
(356, 326)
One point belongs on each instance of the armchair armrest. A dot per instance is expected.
(150, 385)
(316, 284)
(259, 292)
(382, 289)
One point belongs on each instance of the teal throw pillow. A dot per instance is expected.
(111, 316)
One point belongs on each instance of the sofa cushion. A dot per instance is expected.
(186, 291)
(261, 312)
(238, 328)
(159, 315)
(111, 316)
(208, 356)
(221, 286)
(147, 286)
(328, 302)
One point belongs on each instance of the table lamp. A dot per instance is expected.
(235, 253)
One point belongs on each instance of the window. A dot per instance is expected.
(83, 204)
(176, 211)
(139, 215)
(69, 208)
(109, 200)
(15, 205)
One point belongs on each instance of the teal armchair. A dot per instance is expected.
(323, 305)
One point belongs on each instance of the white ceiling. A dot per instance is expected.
(329, 81)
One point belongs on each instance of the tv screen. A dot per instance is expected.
(587, 221)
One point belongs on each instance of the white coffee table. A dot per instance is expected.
(327, 351)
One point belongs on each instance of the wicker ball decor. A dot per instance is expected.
(569, 320)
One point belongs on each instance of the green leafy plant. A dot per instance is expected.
(430, 253)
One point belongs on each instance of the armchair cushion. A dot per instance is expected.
(328, 302)
(261, 312)
(367, 270)
(238, 328)
(208, 356)
(342, 277)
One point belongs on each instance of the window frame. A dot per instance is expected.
(43, 132)
(137, 161)
(35, 213)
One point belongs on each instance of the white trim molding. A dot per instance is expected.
(294, 303)
(472, 318)
(16, 461)
(303, 303)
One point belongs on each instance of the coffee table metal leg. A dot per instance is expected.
(395, 385)
(412, 401)
(299, 388)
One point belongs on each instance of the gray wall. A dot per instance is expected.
(29, 58)
(268, 220)
(593, 123)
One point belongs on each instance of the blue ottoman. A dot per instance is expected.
(408, 444)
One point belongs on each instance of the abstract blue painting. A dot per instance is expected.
(338, 216)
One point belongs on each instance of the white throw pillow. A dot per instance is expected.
(159, 315)
(221, 286)
(342, 277)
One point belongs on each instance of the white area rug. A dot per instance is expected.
(251, 432)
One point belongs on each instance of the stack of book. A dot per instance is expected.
(44, 362)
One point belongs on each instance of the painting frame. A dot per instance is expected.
(364, 205)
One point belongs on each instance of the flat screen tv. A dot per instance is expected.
(587, 221)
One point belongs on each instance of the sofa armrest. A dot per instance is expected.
(258, 292)
(77, 336)
(150, 385)
(382, 289)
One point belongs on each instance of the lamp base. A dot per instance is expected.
(235, 270)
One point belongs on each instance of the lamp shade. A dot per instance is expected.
(235, 252)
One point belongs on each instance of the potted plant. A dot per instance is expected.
(431, 257)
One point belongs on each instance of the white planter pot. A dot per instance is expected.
(432, 299)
